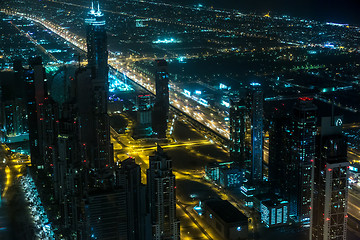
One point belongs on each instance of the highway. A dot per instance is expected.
(354, 204)
(206, 115)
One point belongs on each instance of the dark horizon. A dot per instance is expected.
(346, 11)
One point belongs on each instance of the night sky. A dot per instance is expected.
(342, 11)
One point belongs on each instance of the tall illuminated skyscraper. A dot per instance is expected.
(161, 107)
(330, 183)
(92, 93)
(256, 114)
(303, 151)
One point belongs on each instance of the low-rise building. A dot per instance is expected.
(231, 177)
(226, 219)
(274, 213)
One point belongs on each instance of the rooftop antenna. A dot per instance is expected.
(92, 5)
(98, 7)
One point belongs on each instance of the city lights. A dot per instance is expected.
(179, 120)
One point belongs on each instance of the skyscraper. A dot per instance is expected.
(105, 199)
(330, 183)
(36, 93)
(13, 114)
(161, 184)
(106, 215)
(238, 146)
(255, 110)
(138, 212)
(161, 107)
(280, 134)
(92, 93)
(303, 150)
(13, 104)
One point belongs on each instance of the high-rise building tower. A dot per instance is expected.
(96, 41)
(238, 146)
(13, 103)
(280, 134)
(303, 150)
(330, 183)
(256, 116)
(92, 94)
(138, 214)
(36, 94)
(161, 184)
(161, 107)
(106, 215)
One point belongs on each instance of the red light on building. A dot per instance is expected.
(306, 99)
(329, 169)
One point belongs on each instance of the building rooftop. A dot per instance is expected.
(161, 62)
(274, 202)
(226, 211)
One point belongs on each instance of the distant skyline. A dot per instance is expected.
(344, 11)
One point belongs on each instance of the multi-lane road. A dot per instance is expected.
(205, 115)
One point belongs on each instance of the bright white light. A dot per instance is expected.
(187, 93)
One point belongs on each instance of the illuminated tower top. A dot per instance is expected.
(95, 17)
